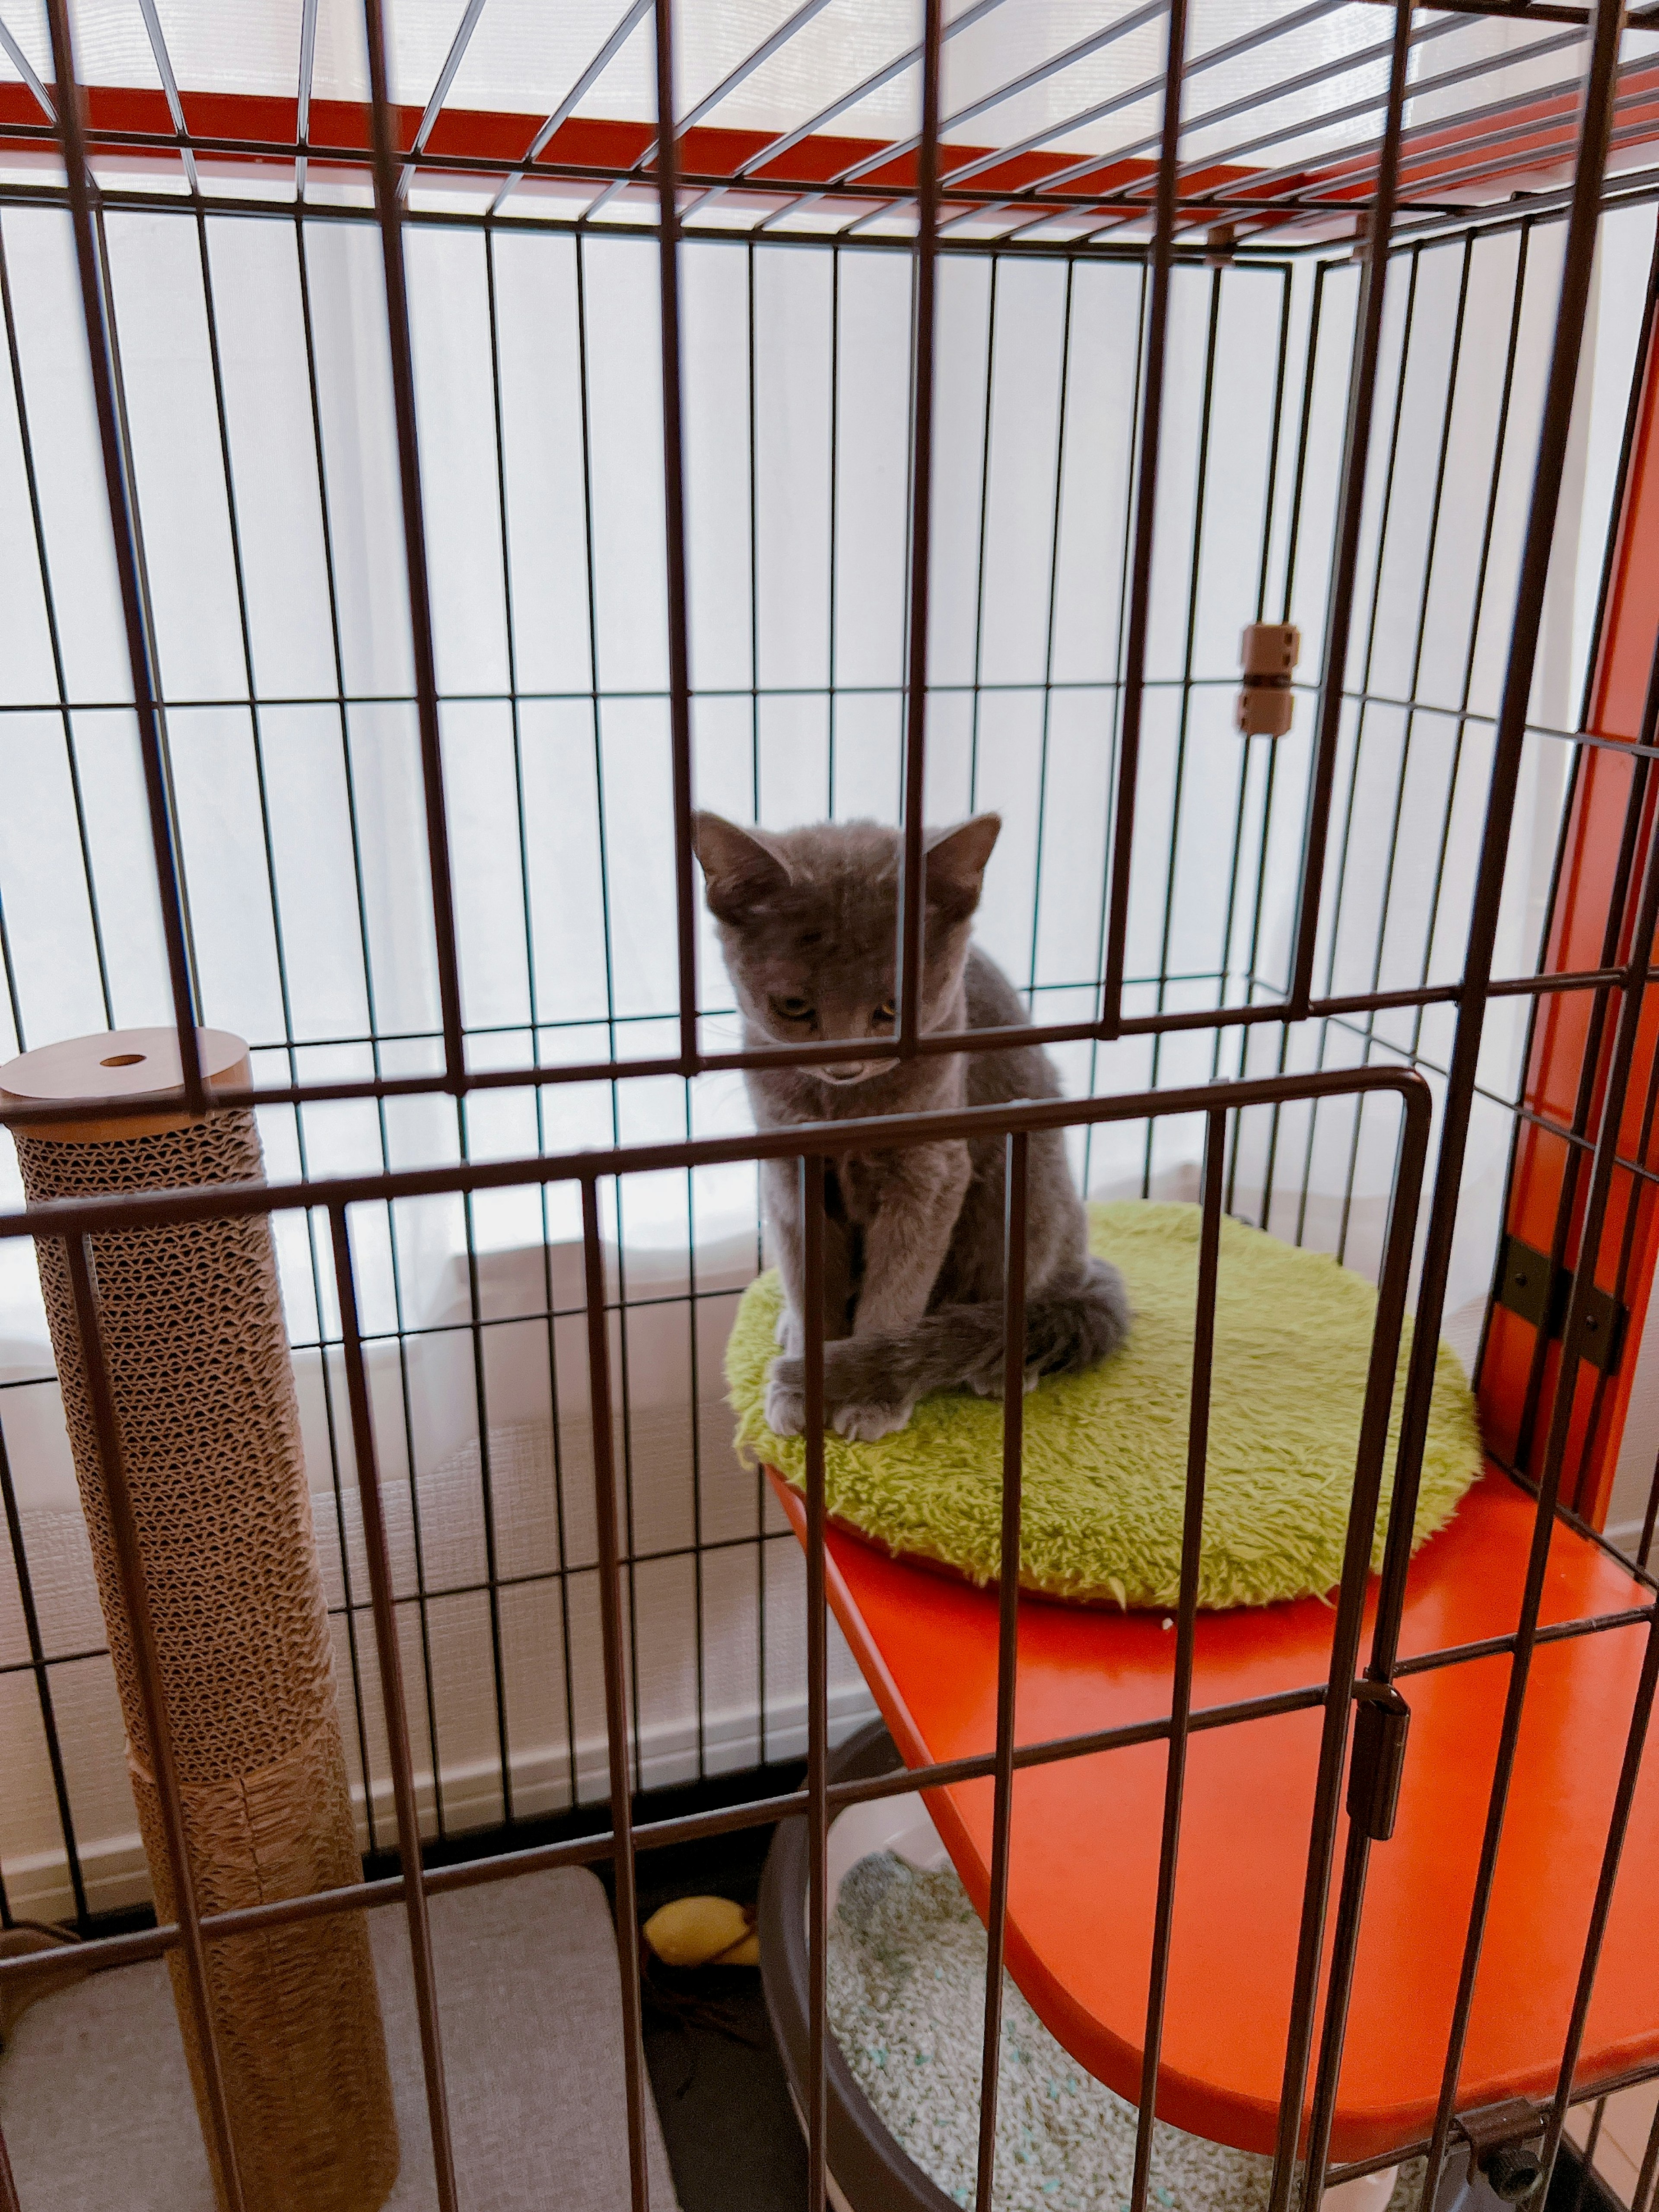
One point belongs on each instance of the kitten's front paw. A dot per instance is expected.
(788, 1334)
(785, 1398)
(862, 1425)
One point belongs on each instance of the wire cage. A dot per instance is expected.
(411, 503)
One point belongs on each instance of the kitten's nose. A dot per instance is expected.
(845, 1071)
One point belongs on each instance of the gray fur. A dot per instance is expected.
(913, 1246)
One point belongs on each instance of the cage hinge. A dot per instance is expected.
(1380, 1730)
(1525, 1286)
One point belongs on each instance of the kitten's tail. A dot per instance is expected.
(959, 1348)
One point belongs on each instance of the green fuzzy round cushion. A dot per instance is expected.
(1106, 1452)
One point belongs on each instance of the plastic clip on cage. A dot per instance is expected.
(1267, 653)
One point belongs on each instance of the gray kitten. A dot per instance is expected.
(913, 1247)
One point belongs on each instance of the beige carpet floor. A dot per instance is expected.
(98, 2116)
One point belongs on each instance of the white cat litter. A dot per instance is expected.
(905, 1997)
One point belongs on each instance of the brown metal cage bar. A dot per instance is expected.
(1016, 1192)
(390, 1658)
(913, 908)
(1356, 455)
(673, 447)
(389, 211)
(1150, 436)
(1180, 1687)
(812, 1174)
(124, 539)
(615, 1685)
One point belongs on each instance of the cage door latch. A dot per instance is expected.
(1380, 1728)
(1527, 1286)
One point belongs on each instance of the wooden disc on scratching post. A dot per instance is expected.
(204, 1392)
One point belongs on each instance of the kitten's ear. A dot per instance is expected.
(956, 864)
(739, 866)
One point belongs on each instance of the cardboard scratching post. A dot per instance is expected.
(198, 1365)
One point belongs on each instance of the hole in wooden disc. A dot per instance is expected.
(122, 1059)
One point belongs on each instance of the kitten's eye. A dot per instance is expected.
(887, 1012)
(793, 1010)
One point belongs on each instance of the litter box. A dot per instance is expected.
(869, 2169)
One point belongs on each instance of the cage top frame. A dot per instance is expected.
(1250, 192)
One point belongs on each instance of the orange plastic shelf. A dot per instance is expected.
(1086, 1832)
